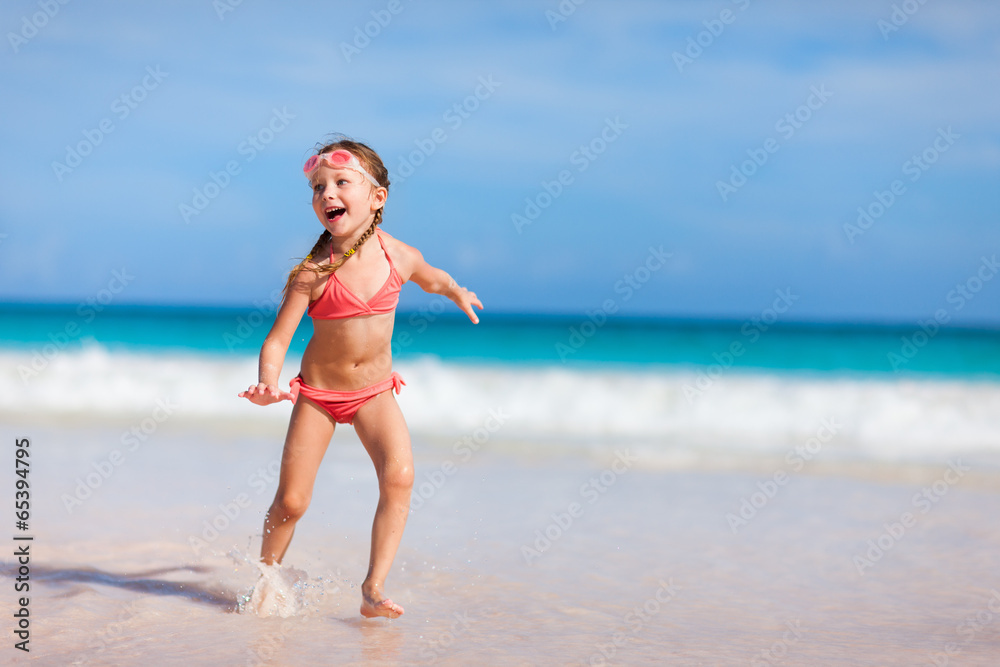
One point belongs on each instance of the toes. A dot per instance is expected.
(386, 608)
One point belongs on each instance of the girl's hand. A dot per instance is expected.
(465, 299)
(265, 394)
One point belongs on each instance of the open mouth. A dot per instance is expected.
(334, 213)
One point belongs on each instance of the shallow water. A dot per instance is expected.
(498, 566)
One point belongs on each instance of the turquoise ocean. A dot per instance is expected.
(919, 349)
(899, 391)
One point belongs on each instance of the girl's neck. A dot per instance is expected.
(340, 245)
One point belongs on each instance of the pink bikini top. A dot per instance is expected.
(337, 302)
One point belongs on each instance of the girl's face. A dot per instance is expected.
(344, 201)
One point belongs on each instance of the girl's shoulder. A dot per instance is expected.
(404, 257)
(392, 242)
(398, 251)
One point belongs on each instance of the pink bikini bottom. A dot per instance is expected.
(342, 405)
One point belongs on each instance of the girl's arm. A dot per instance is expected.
(272, 353)
(433, 280)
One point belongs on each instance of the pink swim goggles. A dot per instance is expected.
(338, 159)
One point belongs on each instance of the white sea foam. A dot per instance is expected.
(877, 416)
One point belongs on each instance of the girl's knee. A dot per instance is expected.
(398, 478)
(289, 506)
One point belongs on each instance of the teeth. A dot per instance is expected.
(334, 212)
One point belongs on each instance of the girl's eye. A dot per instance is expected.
(318, 187)
(343, 181)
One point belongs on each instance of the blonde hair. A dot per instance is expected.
(373, 163)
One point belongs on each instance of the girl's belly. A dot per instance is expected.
(349, 354)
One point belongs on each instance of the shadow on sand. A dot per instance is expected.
(139, 582)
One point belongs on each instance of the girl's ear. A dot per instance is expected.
(378, 198)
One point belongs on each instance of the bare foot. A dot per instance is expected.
(372, 607)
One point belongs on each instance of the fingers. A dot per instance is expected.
(467, 308)
(253, 390)
(466, 305)
(472, 298)
(252, 395)
(264, 394)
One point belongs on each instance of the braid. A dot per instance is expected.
(323, 240)
(357, 244)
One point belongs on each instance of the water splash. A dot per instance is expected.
(280, 591)
(285, 591)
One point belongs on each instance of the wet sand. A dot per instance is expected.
(512, 557)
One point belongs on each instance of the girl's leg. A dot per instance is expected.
(382, 429)
(309, 433)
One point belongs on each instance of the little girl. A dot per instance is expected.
(349, 284)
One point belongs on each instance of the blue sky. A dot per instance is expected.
(831, 104)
